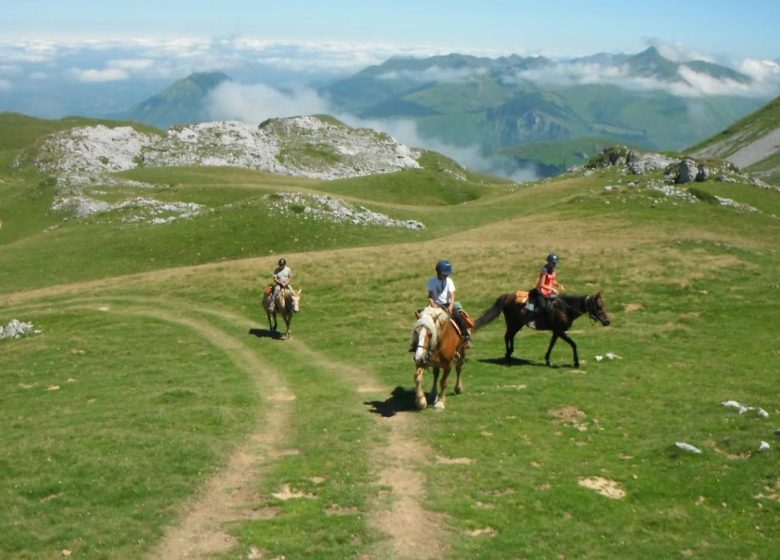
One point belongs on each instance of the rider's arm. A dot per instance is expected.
(431, 301)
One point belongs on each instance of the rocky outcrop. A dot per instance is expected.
(314, 147)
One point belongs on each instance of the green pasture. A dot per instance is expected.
(154, 374)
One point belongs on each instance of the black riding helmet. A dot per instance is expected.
(444, 267)
(282, 262)
(552, 258)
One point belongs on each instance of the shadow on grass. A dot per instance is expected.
(265, 333)
(510, 362)
(401, 400)
(522, 362)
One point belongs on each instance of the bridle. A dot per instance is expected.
(594, 313)
(418, 345)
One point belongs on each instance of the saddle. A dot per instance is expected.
(439, 318)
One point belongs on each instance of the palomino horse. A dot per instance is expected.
(564, 311)
(438, 343)
(286, 304)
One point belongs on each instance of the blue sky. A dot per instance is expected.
(720, 28)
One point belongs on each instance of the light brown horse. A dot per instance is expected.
(286, 304)
(437, 343)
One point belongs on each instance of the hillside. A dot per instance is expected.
(150, 412)
(752, 143)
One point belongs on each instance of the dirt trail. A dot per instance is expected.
(230, 495)
(414, 532)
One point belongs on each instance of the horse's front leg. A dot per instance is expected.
(439, 402)
(271, 321)
(434, 396)
(419, 395)
(287, 321)
(568, 339)
(459, 378)
(549, 348)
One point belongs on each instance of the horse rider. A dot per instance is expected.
(441, 293)
(541, 296)
(282, 277)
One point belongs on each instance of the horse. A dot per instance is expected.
(437, 342)
(565, 310)
(286, 304)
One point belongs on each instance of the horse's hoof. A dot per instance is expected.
(422, 404)
(439, 405)
(458, 390)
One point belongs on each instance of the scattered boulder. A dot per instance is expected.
(17, 329)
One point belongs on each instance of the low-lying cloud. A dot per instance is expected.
(256, 103)
(97, 75)
(690, 84)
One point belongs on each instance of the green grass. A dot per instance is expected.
(100, 440)
(151, 371)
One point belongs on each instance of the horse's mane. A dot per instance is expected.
(431, 318)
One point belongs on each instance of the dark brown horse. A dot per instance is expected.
(437, 342)
(564, 311)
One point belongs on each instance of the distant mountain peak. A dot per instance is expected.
(180, 103)
(206, 80)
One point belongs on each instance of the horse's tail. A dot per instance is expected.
(491, 313)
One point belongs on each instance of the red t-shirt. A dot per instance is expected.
(546, 282)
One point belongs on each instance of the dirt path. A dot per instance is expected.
(413, 532)
(231, 495)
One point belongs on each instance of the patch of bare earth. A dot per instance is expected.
(570, 416)
(415, 532)
(604, 486)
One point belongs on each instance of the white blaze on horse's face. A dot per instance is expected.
(296, 301)
(423, 343)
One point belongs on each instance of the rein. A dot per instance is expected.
(583, 310)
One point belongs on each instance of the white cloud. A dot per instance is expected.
(765, 71)
(471, 157)
(256, 103)
(436, 74)
(679, 52)
(131, 64)
(692, 83)
(95, 75)
(5, 85)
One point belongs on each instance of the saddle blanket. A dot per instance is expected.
(521, 297)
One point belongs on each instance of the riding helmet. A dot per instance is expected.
(552, 258)
(282, 262)
(444, 267)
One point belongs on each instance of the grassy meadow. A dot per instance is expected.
(154, 417)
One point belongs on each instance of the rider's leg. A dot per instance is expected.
(532, 307)
(464, 330)
(275, 295)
